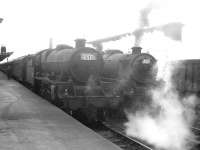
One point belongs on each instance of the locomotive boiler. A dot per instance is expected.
(65, 62)
(139, 68)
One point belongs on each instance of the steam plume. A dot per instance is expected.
(144, 22)
(144, 13)
(166, 122)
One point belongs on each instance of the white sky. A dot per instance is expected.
(28, 24)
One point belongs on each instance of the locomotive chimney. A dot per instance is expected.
(136, 50)
(80, 43)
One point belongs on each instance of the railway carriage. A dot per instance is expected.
(186, 76)
(18, 69)
(29, 70)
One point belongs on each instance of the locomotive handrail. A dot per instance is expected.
(103, 78)
(116, 98)
(92, 96)
(51, 81)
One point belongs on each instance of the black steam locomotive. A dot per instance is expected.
(83, 80)
(131, 75)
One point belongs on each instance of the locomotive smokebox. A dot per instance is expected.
(136, 50)
(80, 43)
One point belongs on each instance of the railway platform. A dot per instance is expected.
(28, 122)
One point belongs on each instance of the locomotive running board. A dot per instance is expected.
(88, 97)
(47, 80)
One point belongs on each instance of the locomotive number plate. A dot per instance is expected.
(146, 61)
(87, 56)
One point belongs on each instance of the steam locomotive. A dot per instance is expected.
(131, 75)
(83, 80)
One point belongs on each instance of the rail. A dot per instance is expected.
(136, 142)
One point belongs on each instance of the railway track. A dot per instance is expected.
(117, 135)
(196, 132)
(119, 138)
(196, 142)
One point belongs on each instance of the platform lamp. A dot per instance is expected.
(1, 19)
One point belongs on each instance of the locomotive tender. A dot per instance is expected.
(85, 81)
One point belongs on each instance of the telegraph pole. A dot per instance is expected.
(3, 53)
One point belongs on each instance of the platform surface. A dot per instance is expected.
(28, 122)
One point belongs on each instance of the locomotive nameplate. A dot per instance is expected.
(87, 56)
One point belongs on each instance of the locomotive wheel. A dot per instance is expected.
(65, 107)
(58, 103)
(37, 86)
(67, 110)
(80, 115)
(91, 113)
(42, 91)
(101, 115)
(54, 97)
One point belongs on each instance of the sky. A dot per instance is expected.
(29, 24)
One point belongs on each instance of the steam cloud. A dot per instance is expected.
(144, 22)
(166, 122)
(172, 30)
